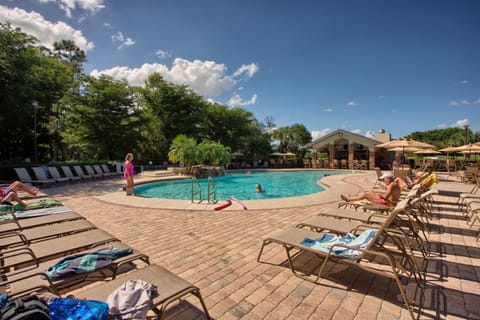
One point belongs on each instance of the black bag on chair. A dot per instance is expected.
(26, 308)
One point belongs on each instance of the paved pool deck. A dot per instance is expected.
(217, 251)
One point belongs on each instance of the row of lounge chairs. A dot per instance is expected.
(470, 203)
(30, 248)
(53, 175)
(391, 243)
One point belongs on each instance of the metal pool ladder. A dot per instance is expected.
(212, 191)
(196, 190)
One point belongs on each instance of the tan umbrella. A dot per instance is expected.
(404, 143)
(405, 149)
(289, 154)
(468, 147)
(277, 154)
(427, 151)
(448, 149)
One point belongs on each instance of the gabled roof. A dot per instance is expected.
(341, 134)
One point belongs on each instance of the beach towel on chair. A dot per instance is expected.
(86, 262)
(327, 241)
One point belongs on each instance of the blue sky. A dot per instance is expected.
(362, 66)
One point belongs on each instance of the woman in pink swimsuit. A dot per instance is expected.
(128, 172)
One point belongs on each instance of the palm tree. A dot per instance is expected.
(184, 149)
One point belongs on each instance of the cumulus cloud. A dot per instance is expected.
(124, 41)
(370, 134)
(207, 78)
(351, 104)
(69, 5)
(163, 54)
(237, 101)
(327, 109)
(442, 126)
(357, 131)
(249, 70)
(463, 102)
(318, 134)
(461, 123)
(45, 31)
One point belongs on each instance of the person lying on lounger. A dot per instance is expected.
(388, 198)
(9, 194)
(408, 182)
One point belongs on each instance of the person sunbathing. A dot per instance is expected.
(9, 194)
(388, 198)
(408, 182)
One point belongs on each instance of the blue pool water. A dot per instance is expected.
(241, 186)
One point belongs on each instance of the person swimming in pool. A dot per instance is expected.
(258, 187)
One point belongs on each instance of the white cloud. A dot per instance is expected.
(464, 82)
(163, 54)
(69, 5)
(45, 31)
(124, 42)
(461, 123)
(352, 104)
(237, 101)
(370, 134)
(463, 102)
(318, 134)
(442, 126)
(207, 78)
(249, 69)
(106, 24)
(328, 109)
(357, 131)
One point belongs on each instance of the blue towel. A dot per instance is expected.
(86, 262)
(326, 241)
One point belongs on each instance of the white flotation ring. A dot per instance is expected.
(240, 203)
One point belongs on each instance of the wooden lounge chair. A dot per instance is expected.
(25, 177)
(91, 172)
(56, 175)
(170, 288)
(68, 173)
(371, 256)
(40, 233)
(58, 247)
(79, 172)
(42, 176)
(37, 278)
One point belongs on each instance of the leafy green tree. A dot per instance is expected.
(104, 122)
(28, 74)
(442, 138)
(185, 149)
(215, 153)
(291, 138)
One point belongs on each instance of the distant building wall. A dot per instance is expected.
(383, 136)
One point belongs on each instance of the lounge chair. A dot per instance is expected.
(98, 170)
(56, 175)
(37, 278)
(79, 172)
(68, 173)
(91, 172)
(170, 288)
(363, 256)
(42, 176)
(25, 177)
(110, 173)
(41, 233)
(14, 224)
(58, 247)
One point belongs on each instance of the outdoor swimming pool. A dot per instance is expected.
(275, 185)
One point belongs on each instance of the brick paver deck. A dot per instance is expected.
(217, 251)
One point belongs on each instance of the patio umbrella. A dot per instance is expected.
(277, 154)
(405, 149)
(289, 154)
(449, 149)
(404, 143)
(427, 151)
(468, 147)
